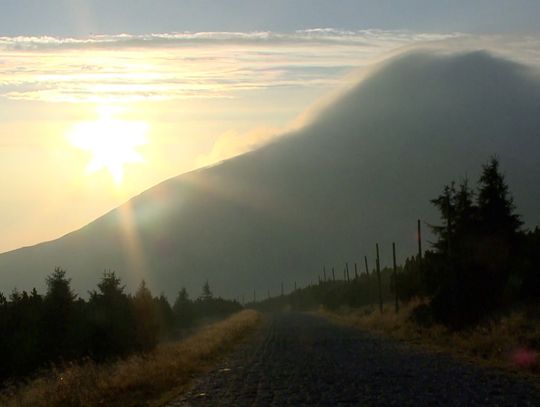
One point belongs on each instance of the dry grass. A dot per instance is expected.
(138, 380)
(511, 342)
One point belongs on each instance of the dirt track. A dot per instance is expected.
(301, 359)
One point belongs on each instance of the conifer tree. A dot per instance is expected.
(500, 231)
(183, 309)
(206, 293)
(111, 319)
(147, 328)
(58, 316)
(495, 204)
(472, 264)
(164, 316)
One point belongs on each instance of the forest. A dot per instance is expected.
(59, 327)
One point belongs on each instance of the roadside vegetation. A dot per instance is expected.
(508, 341)
(476, 291)
(142, 379)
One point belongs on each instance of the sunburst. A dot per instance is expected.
(112, 143)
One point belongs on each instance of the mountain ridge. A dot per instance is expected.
(361, 172)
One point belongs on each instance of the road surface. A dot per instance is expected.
(304, 360)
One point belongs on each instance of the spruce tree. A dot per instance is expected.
(473, 261)
(206, 293)
(495, 204)
(58, 316)
(183, 309)
(499, 232)
(111, 319)
(164, 316)
(147, 328)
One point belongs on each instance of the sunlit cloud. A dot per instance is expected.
(168, 66)
(232, 143)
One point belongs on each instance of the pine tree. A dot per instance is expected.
(147, 328)
(58, 316)
(183, 309)
(445, 204)
(500, 232)
(206, 293)
(495, 204)
(164, 316)
(111, 320)
(475, 246)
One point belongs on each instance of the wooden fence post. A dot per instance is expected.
(367, 269)
(395, 276)
(355, 271)
(378, 266)
(419, 241)
(333, 275)
(419, 236)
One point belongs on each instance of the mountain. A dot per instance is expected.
(361, 172)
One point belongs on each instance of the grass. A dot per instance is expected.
(510, 342)
(140, 380)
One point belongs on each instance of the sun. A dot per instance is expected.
(111, 142)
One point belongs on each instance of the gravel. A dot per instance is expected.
(304, 360)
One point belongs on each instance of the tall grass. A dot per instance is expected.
(510, 341)
(138, 380)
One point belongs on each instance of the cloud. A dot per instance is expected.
(174, 39)
(126, 67)
(209, 65)
(233, 143)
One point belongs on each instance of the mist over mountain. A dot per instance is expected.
(361, 172)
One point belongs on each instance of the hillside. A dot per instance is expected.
(361, 172)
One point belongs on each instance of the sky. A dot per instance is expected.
(174, 85)
(86, 17)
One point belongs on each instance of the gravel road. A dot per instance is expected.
(304, 360)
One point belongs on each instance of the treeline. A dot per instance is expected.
(356, 291)
(482, 261)
(58, 327)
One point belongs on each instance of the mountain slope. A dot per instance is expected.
(362, 172)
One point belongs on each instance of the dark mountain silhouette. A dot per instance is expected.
(362, 172)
